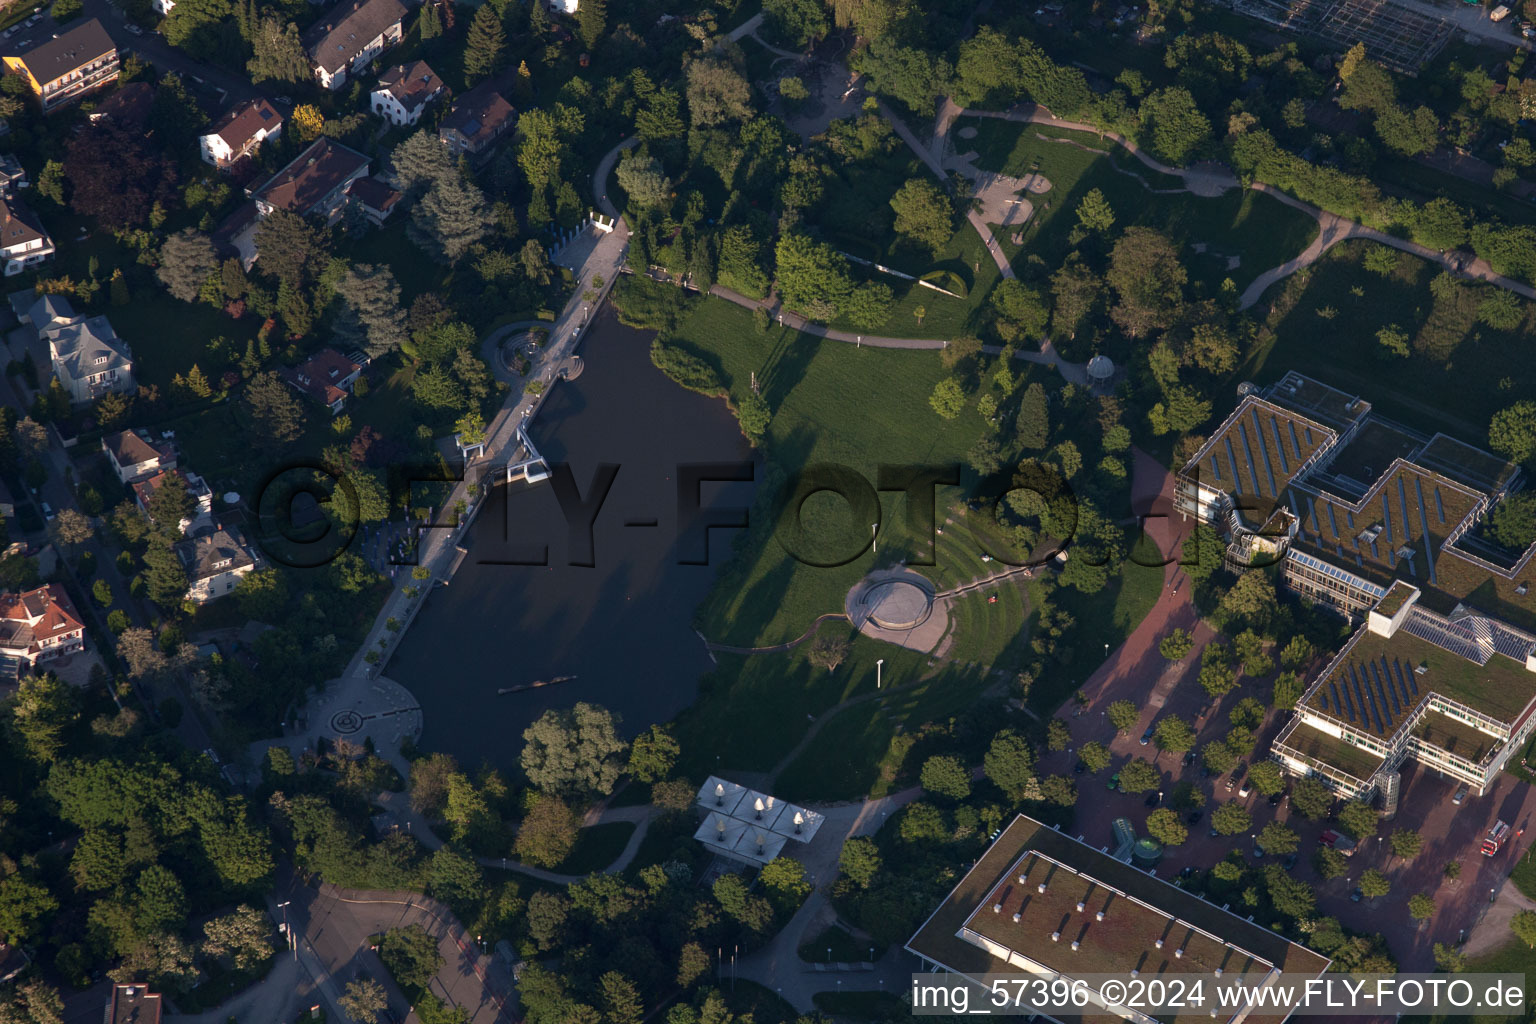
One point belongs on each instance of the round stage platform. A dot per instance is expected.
(898, 604)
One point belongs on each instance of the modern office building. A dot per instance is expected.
(1042, 903)
(1388, 526)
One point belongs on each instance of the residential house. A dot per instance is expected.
(69, 66)
(376, 198)
(346, 39)
(40, 312)
(135, 455)
(240, 132)
(476, 120)
(163, 7)
(133, 1003)
(128, 107)
(38, 625)
(12, 175)
(327, 377)
(215, 561)
(404, 91)
(202, 496)
(89, 358)
(564, 6)
(314, 183)
(22, 239)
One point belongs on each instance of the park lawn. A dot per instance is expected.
(833, 403)
(987, 632)
(1261, 232)
(1453, 355)
(943, 315)
(597, 846)
(851, 756)
(753, 708)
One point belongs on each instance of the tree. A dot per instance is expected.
(1010, 764)
(924, 214)
(1512, 432)
(1094, 212)
(797, 22)
(829, 650)
(1405, 843)
(1267, 778)
(1330, 863)
(1021, 310)
(34, 1002)
(24, 907)
(812, 276)
(1057, 735)
(364, 998)
(1357, 818)
(450, 218)
(42, 709)
(785, 878)
(1148, 279)
(1408, 132)
(1094, 755)
(1420, 906)
(1176, 645)
(1392, 342)
(1311, 798)
(948, 398)
(547, 912)
(692, 964)
(946, 775)
(717, 93)
(591, 21)
(1278, 838)
(484, 45)
(242, 939)
(547, 833)
(1230, 819)
(1523, 924)
(373, 316)
(1123, 715)
(1173, 126)
(860, 860)
(1218, 757)
(116, 177)
(410, 955)
(643, 180)
(186, 260)
(869, 306)
(574, 752)
(418, 163)
(1374, 884)
(1174, 735)
(277, 53)
(1513, 522)
(620, 999)
(653, 754)
(275, 413)
(291, 248)
(1138, 776)
(1164, 825)
(1216, 675)
(1501, 310)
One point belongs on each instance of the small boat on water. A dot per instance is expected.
(503, 691)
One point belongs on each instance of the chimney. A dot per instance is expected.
(1099, 916)
(1040, 887)
(1016, 916)
(1055, 936)
(1178, 954)
(1075, 944)
(1080, 906)
(1158, 943)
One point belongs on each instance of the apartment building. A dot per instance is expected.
(71, 65)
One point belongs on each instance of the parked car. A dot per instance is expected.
(1114, 781)
(1247, 787)
(47, 511)
(1461, 794)
(1231, 783)
(134, 30)
(1079, 768)
(1147, 736)
(1356, 896)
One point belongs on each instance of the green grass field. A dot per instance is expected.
(1257, 230)
(597, 846)
(833, 403)
(1326, 321)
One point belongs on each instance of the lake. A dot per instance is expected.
(621, 627)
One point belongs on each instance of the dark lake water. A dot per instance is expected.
(621, 626)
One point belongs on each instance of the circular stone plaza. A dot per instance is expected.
(898, 606)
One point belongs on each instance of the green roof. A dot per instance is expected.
(1455, 736)
(1331, 750)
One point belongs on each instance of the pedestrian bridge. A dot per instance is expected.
(526, 462)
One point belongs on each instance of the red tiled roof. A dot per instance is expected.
(311, 176)
(30, 617)
(242, 123)
(412, 84)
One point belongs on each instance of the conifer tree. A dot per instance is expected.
(484, 46)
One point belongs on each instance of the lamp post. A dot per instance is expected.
(879, 671)
(287, 933)
(874, 538)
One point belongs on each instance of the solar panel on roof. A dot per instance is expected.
(1365, 705)
(1237, 478)
(1386, 515)
(1374, 553)
(1215, 467)
(1386, 684)
(1337, 707)
(1295, 446)
(1312, 513)
(1439, 507)
(1274, 426)
(1322, 700)
(1258, 430)
(1397, 668)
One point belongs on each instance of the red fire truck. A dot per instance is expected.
(1495, 838)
